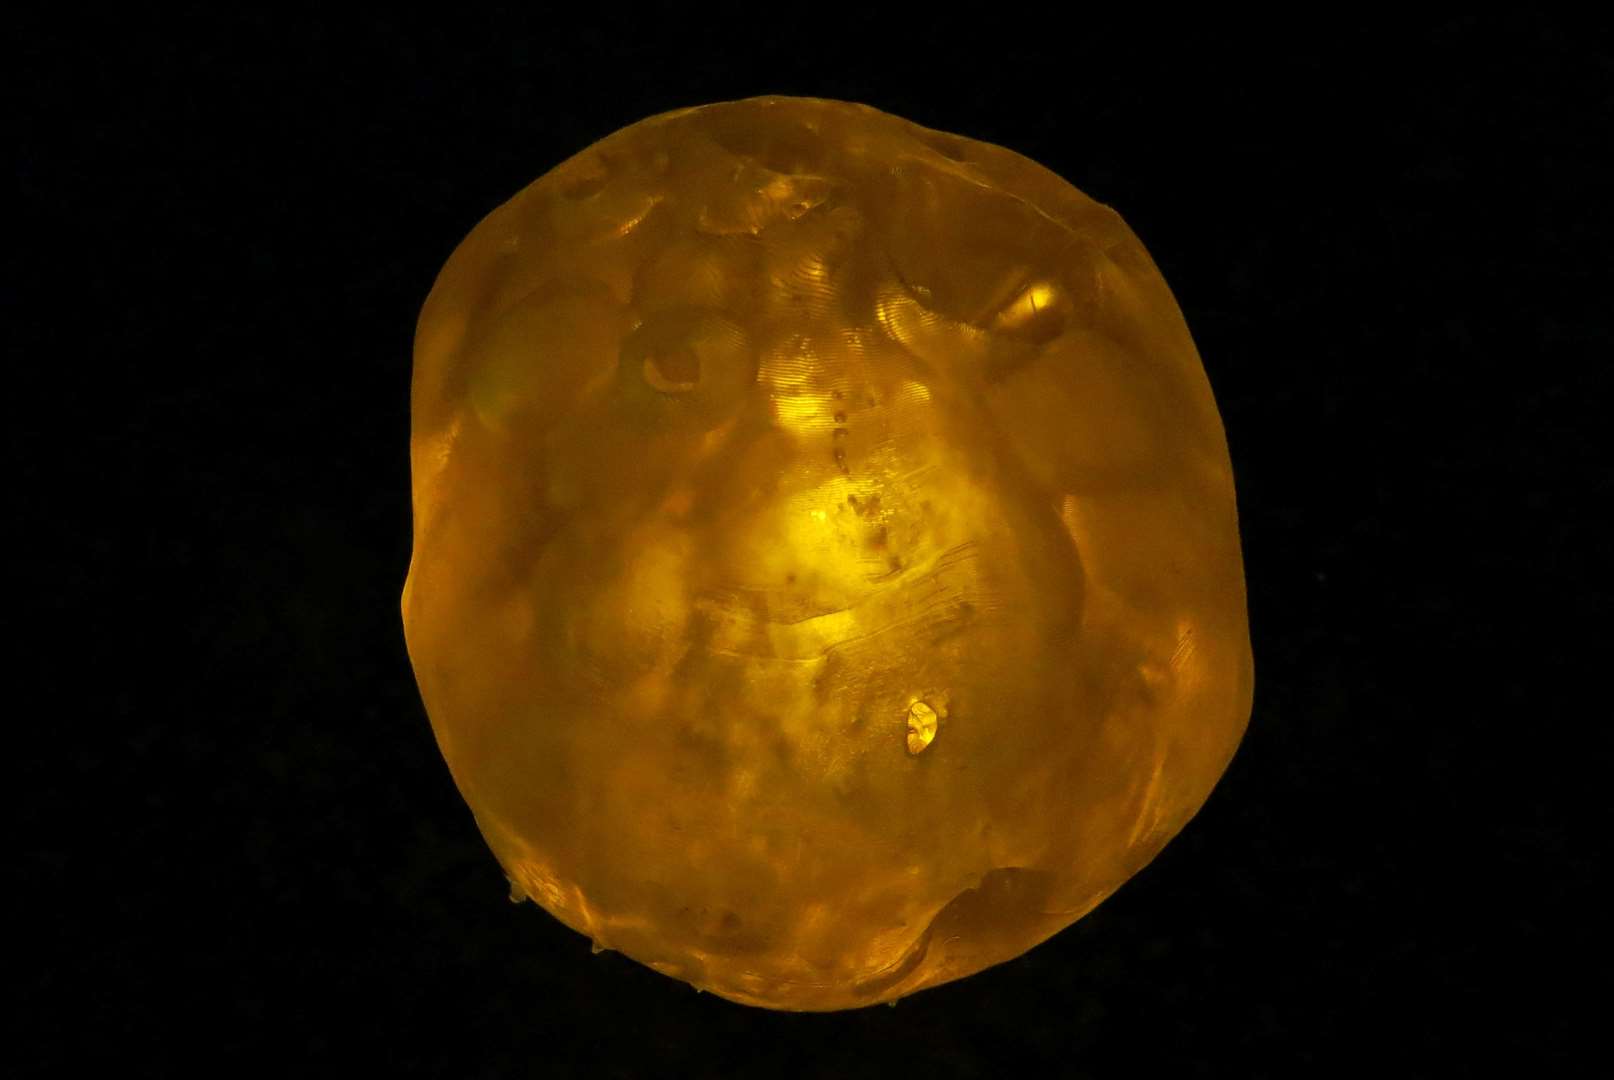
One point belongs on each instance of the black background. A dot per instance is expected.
(237, 841)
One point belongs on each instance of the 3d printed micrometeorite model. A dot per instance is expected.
(826, 579)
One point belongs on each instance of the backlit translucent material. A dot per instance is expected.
(826, 578)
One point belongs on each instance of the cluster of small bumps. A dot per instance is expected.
(826, 577)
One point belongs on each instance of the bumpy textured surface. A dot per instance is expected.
(826, 578)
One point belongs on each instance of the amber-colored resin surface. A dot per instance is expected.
(826, 579)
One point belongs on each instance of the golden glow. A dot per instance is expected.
(826, 580)
(921, 727)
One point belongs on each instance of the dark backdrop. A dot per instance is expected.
(237, 841)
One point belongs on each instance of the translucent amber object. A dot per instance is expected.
(826, 579)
